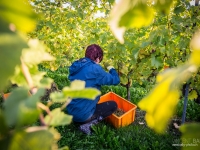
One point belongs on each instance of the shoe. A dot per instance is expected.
(86, 128)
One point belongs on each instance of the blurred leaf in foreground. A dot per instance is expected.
(77, 90)
(129, 14)
(19, 13)
(36, 139)
(32, 56)
(57, 118)
(21, 107)
(138, 16)
(190, 136)
(11, 45)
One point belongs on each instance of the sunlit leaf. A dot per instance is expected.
(21, 107)
(19, 78)
(124, 70)
(89, 93)
(138, 16)
(77, 85)
(19, 13)
(57, 118)
(46, 83)
(123, 80)
(58, 97)
(192, 95)
(118, 10)
(190, 136)
(129, 14)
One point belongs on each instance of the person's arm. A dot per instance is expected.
(106, 78)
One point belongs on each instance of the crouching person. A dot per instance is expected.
(84, 111)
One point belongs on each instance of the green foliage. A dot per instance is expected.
(192, 113)
(60, 76)
(137, 92)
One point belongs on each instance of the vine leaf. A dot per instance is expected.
(58, 97)
(32, 140)
(138, 16)
(192, 95)
(78, 90)
(118, 10)
(21, 108)
(129, 14)
(36, 49)
(156, 61)
(11, 45)
(19, 13)
(58, 118)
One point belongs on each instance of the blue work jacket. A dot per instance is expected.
(94, 76)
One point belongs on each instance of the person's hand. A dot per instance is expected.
(110, 67)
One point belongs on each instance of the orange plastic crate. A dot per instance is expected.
(129, 108)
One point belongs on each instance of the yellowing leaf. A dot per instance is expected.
(123, 80)
(129, 14)
(88, 93)
(77, 90)
(192, 95)
(161, 102)
(138, 16)
(116, 13)
(124, 70)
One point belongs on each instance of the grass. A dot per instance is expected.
(104, 136)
